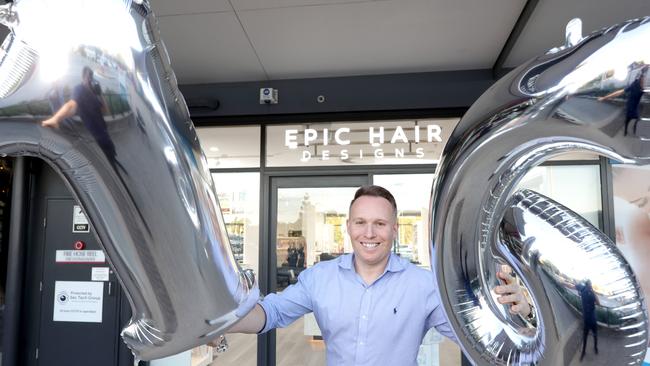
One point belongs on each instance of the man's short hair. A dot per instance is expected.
(375, 191)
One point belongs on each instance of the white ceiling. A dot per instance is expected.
(212, 41)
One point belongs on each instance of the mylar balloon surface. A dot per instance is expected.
(86, 85)
(589, 95)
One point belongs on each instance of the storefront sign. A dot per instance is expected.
(78, 301)
(380, 140)
(80, 256)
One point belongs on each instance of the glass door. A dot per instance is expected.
(308, 225)
(308, 216)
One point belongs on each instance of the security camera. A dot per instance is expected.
(268, 96)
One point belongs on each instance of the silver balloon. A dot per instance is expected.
(587, 95)
(86, 85)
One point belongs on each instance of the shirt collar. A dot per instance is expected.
(394, 263)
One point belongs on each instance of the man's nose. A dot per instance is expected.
(370, 231)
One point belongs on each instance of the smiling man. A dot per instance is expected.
(373, 307)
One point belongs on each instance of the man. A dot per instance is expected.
(88, 102)
(372, 307)
(589, 301)
(634, 94)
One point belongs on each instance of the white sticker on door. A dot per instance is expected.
(79, 221)
(78, 301)
(99, 274)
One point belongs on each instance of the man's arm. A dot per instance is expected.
(612, 95)
(67, 110)
(281, 309)
(252, 323)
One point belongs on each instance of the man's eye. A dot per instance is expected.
(381, 224)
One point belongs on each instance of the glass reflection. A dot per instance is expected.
(412, 215)
(310, 228)
(239, 201)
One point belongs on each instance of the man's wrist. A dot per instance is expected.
(531, 318)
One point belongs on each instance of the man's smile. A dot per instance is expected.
(369, 244)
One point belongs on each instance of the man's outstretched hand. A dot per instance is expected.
(511, 293)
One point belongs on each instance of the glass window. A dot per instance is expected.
(412, 193)
(310, 228)
(575, 186)
(231, 147)
(631, 186)
(239, 200)
(358, 143)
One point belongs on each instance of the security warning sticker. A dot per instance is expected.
(80, 256)
(79, 221)
(78, 301)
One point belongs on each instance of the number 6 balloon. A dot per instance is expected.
(582, 96)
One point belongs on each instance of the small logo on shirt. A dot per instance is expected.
(394, 310)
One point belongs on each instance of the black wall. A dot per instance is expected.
(397, 95)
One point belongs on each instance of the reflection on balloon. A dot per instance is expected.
(587, 95)
(86, 86)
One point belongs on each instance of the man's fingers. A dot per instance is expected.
(516, 309)
(506, 299)
(507, 289)
(506, 274)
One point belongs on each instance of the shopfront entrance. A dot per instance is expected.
(285, 194)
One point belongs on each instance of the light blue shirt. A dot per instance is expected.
(378, 324)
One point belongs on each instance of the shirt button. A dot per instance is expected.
(361, 343)
(364, 317)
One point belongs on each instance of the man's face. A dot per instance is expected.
(88, 78)
(372, 227)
